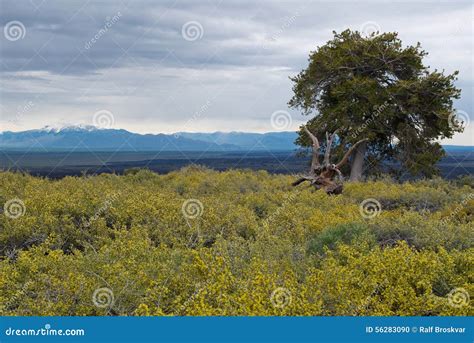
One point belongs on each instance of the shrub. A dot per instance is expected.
(352, 233)
(252, 236)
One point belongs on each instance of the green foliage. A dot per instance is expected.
(373, 87)
(253, 235)
(351, 233)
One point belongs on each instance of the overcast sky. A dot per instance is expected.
(169, 66)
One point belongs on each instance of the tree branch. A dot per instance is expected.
(349, 152)
(329, 142)
(315, 156)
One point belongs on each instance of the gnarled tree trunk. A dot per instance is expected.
(327, 176)
(357, 166)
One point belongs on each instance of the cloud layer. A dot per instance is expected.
(196, 66)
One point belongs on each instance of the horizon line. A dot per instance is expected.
(52, 129)
(84, 126)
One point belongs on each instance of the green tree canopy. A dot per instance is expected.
(373, 87)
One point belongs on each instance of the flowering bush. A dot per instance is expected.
(201, 242)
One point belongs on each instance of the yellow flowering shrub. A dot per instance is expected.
(202, 242)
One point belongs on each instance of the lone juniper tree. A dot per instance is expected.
(374, 88)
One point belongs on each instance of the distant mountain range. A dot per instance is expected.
(247, 140)
(91, 138)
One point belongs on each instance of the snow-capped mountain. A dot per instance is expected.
(69, 128)
(91, 138)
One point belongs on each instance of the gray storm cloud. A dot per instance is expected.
(225, 65)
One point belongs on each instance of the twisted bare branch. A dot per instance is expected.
(315, 165)
(349, 152)
(329, 142)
